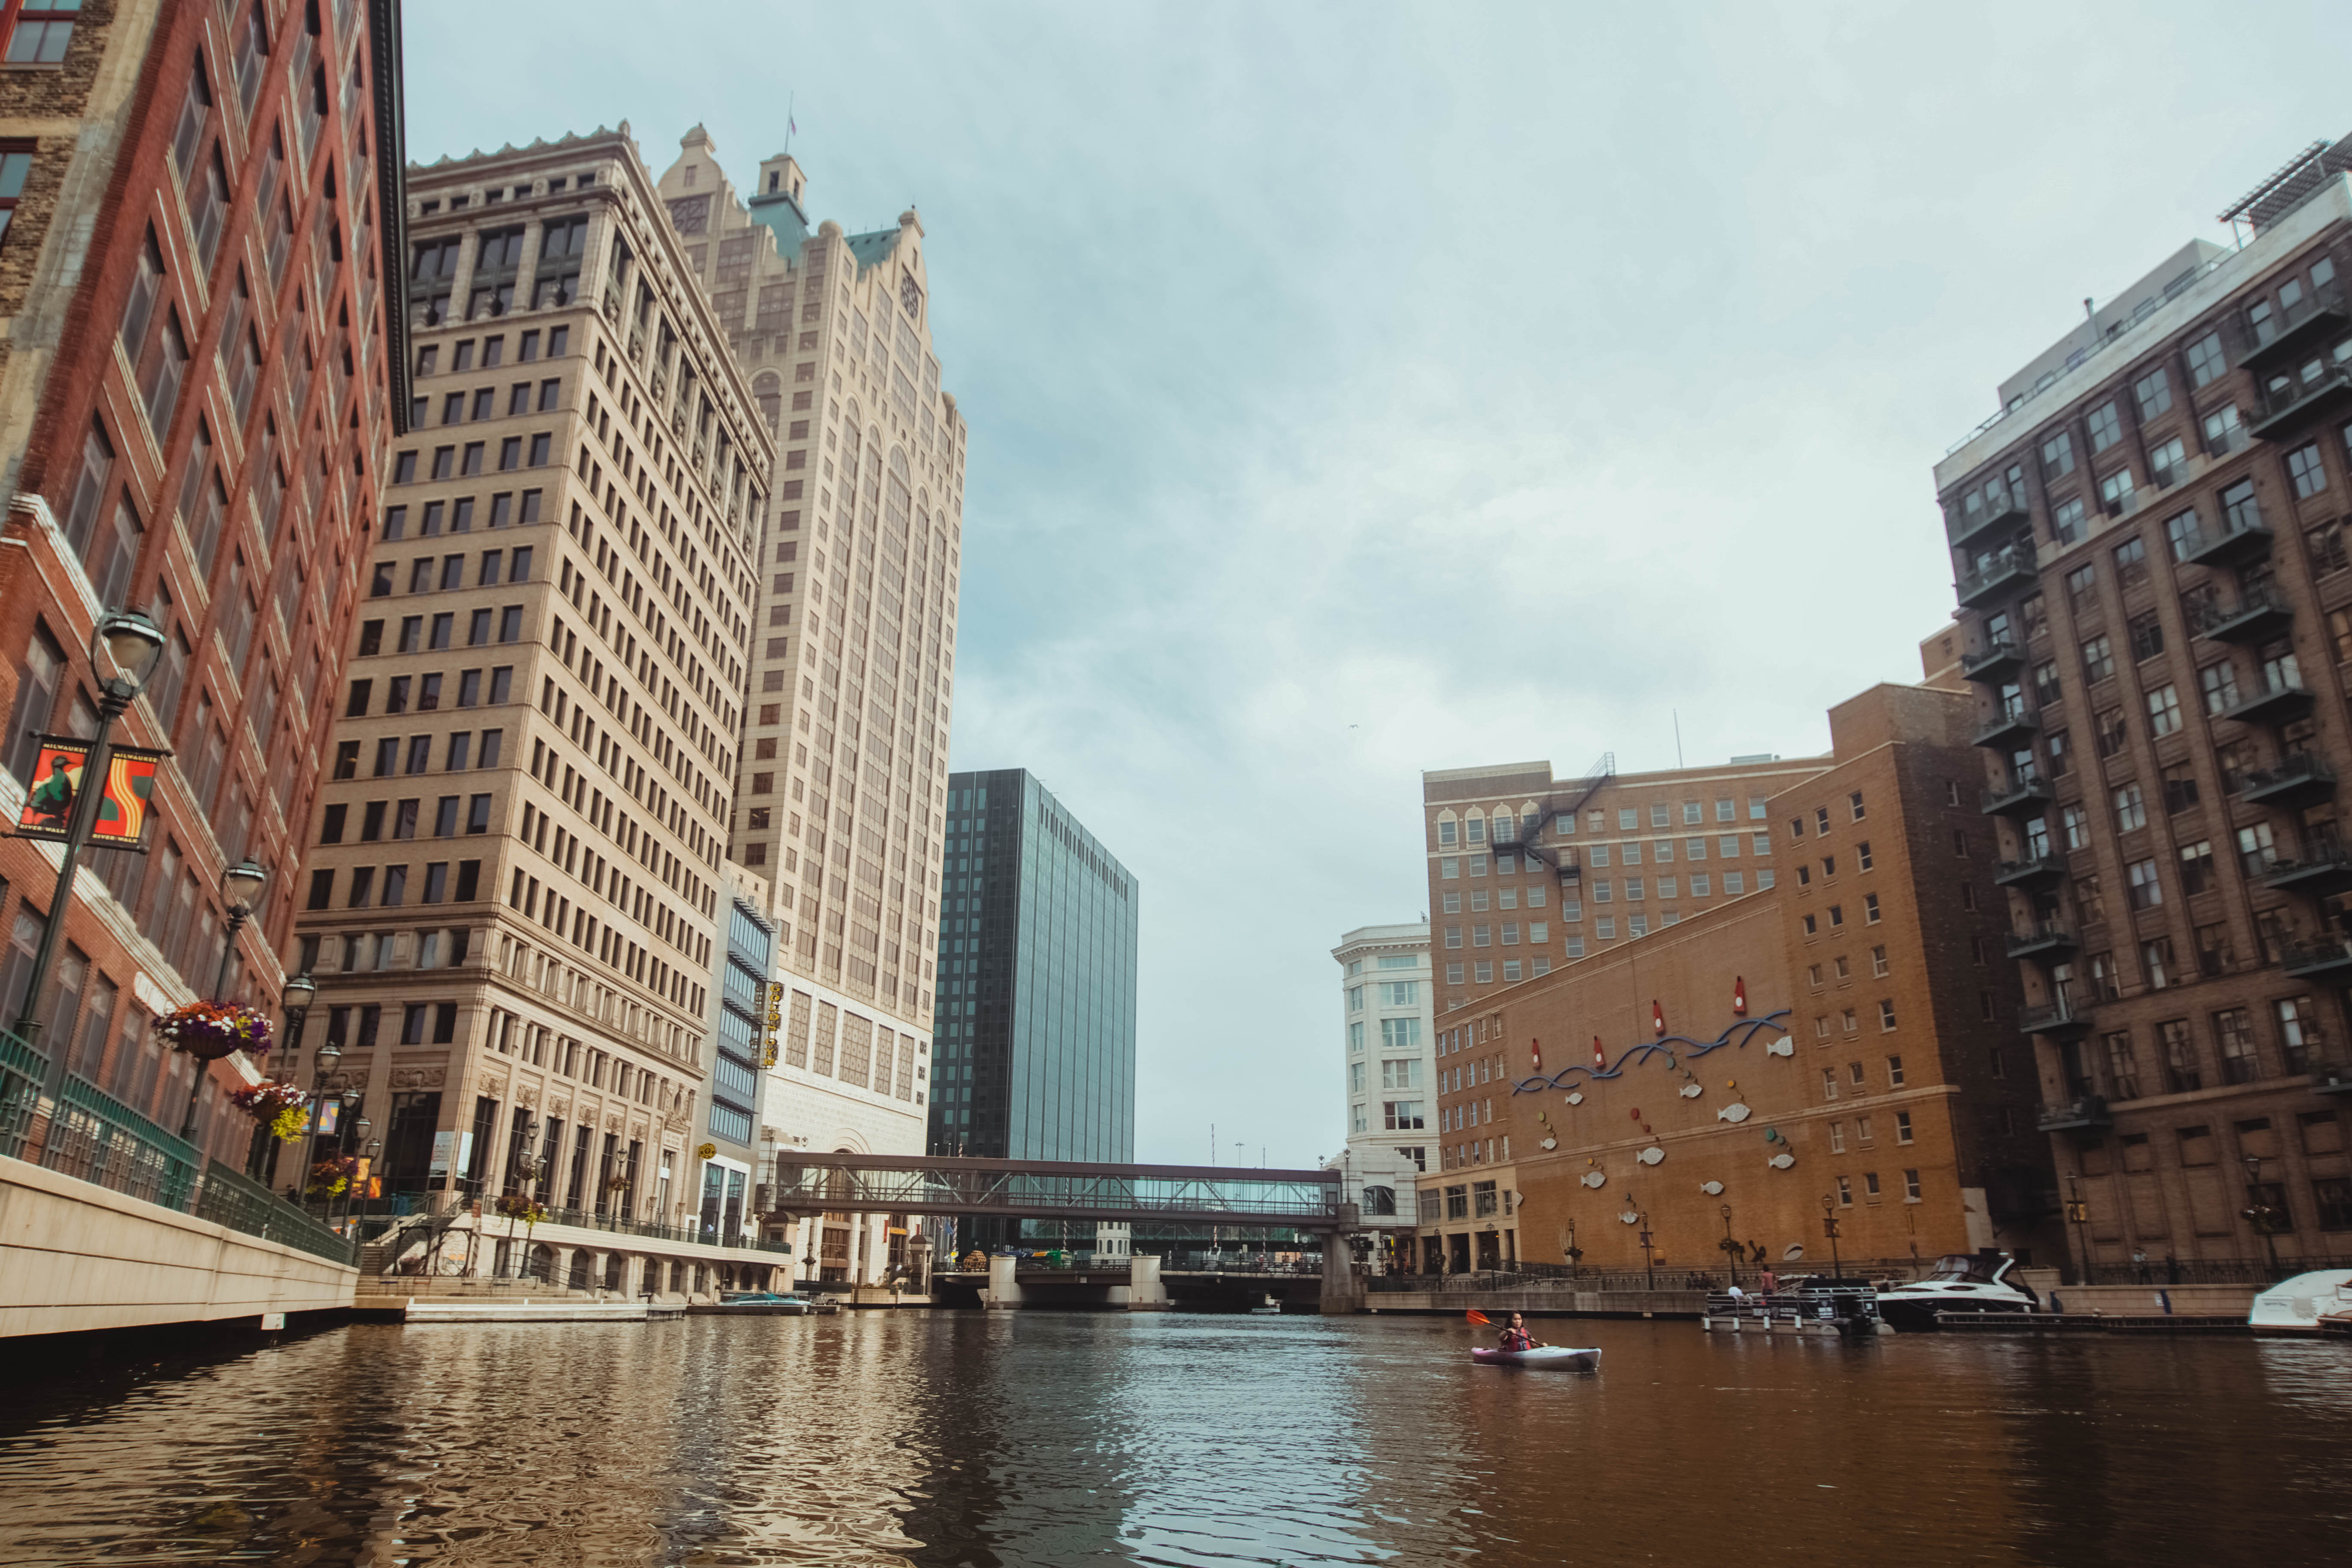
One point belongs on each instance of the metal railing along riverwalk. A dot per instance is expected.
(89, 1135)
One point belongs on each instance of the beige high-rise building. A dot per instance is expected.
(843, 777)
(514, 902)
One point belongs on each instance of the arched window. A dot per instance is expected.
(768, 390)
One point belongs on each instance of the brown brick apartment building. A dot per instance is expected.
(1876, 1068)
(2155, 572)
(198, 386)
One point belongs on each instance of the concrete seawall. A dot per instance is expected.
(77, 1257)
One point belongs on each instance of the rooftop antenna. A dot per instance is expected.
(790, 126)
(1679, 736)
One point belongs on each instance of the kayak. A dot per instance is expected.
(1557, 1356)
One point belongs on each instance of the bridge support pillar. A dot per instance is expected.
(1145, 1293)
(1343, 1289)
(1003, 1292)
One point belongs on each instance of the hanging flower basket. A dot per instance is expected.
(278, 1105)
(332, 1178)
(211, 1030)
(516, 1207)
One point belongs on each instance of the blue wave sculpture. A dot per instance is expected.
(1739, 1033)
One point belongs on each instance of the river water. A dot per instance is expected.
(942, 1439)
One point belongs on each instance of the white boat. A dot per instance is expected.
(1960, 1282)
(1558, 1358)
(2315, 1303)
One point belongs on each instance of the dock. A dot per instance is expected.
(551, 1310)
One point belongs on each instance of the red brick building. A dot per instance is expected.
(199, 381)
(1875, 1074)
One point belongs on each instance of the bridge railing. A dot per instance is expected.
(1046, 1189)
(92, 1136)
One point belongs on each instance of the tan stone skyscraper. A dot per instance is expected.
(842, 781)
(513, 899)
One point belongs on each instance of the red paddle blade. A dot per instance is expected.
(1476, 1316)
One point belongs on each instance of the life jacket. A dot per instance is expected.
(1516, 1339)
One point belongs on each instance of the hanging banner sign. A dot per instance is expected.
(124, 810)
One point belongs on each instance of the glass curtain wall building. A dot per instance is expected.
(1037, 955)
(737, 1056)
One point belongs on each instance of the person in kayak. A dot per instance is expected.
(1515, 1338)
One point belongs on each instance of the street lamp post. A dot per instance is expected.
(2080, 1213)
(1829, 1229)
(130, 644)
(360, 1127)
(296, 997)
(2261, 1215)
(323, 1064)
(1649, 1263)
(240, 882)
(1731, 1249)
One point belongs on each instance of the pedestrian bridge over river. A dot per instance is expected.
(1221, 1195)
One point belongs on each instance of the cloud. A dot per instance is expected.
(1357, 390)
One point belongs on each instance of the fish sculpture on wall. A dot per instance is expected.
(1735, 1113)
(1781, 1161)
(1712, 1189)
(1651, 1155)
(1593, 1178)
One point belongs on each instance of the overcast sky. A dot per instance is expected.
(1361, 389)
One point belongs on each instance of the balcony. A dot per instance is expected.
(2008, 730)
(2278, 702)
(2001, 656)
(2328, 955)
(2299, 779)
(2027, 794)
(2059, 1020)
(2324, 870)
(1571, 874)
(2005, 572)
(2234, 537)
(2291, 401)
(2260, 613)
(2042, 939)
(2032, 871)
(2318, 315)
(2086, 1114)
(2004, 508)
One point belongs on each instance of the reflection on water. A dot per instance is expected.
(1041, 1438)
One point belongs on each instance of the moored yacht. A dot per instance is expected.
(1961, 1282)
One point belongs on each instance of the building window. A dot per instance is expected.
(2131, 809)
(1885, 1015)
(2304, 469)
(2106, 428)
(44, 29)
(2233, 1032)
(2298, 1029)
(2206, 360)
